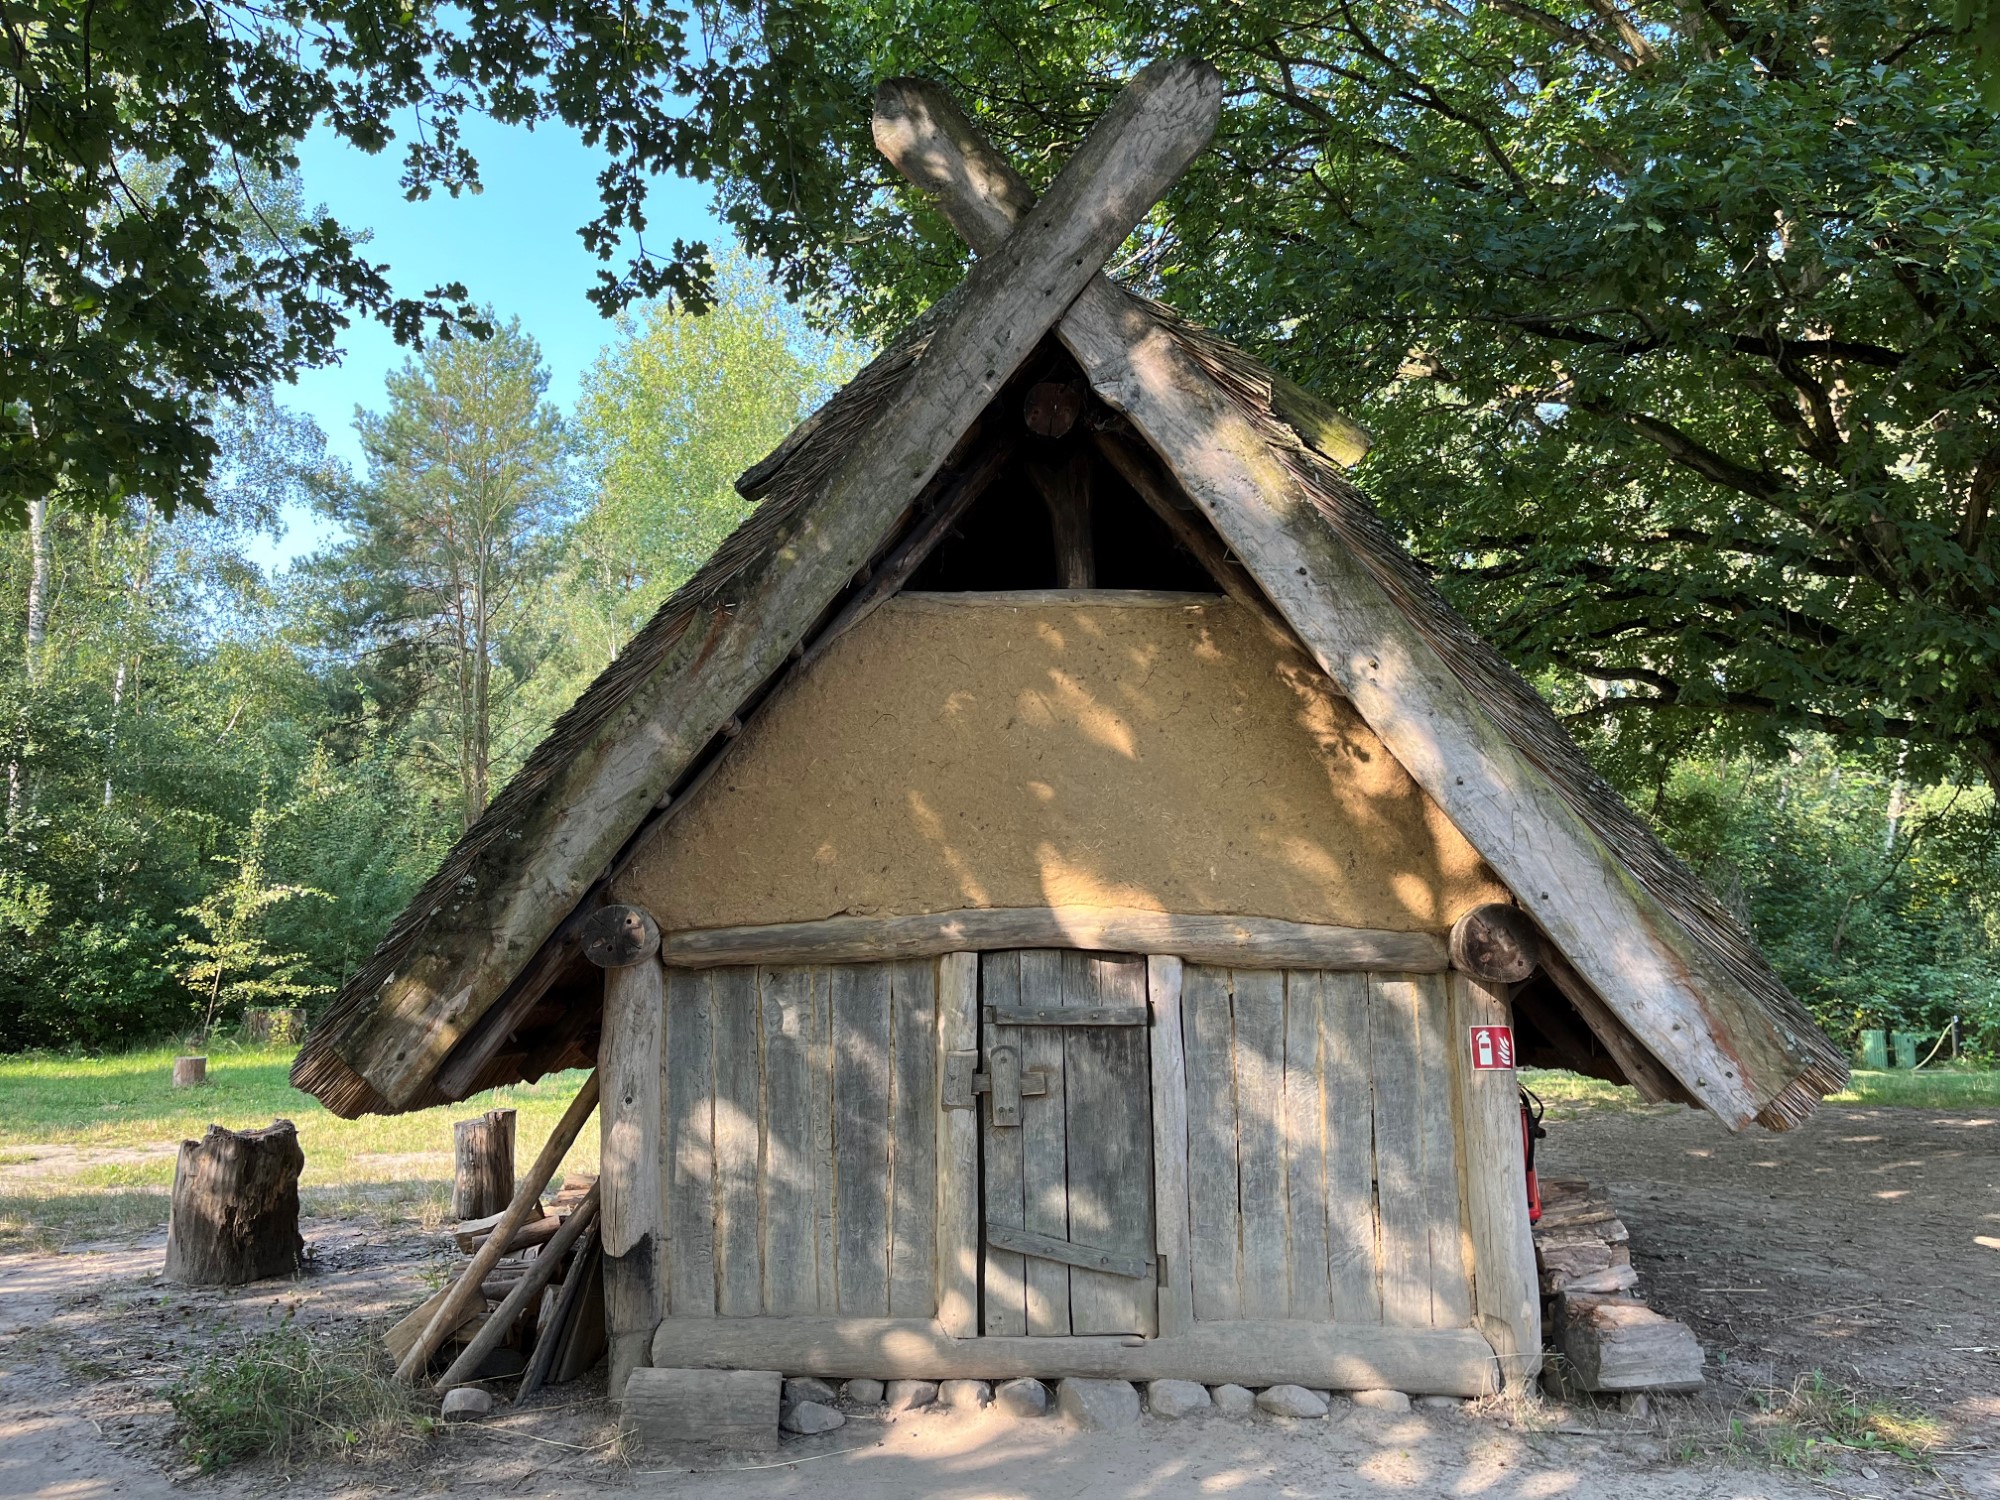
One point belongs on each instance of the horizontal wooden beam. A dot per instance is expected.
(1240, 942)
(1330, 1356)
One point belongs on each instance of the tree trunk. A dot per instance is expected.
(235, 1210)
(37, 632)
(482, 1171)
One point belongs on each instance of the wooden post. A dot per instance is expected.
(1507, 1302)
(234, 1216)
(482, 1164)
(1064, 486)
(189, 1071)
(629, 1161)
(451, 1311)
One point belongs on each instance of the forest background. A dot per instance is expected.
(1676, 326)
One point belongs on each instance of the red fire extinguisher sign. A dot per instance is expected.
(1492, 1048)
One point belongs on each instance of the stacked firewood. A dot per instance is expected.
(1598, 1325)
(551, 1337)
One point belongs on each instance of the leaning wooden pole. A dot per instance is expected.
(539, 1275)
(452, 1310)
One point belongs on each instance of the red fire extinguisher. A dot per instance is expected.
(1531, 1131)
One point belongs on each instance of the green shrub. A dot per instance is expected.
(285, 1395)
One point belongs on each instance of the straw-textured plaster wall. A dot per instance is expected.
(1159, 752)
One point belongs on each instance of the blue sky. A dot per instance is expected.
(514, 246)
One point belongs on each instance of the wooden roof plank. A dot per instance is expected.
(1160, 122)
(1611, 929)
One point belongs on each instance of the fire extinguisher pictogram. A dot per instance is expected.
(1532, 1130)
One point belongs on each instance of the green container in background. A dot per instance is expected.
(1875, 1050)
(1906, 1047)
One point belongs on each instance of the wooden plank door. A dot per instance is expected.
(1068, 1135)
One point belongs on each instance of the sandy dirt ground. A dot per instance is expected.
(1865, 1247)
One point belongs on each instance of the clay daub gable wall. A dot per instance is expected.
(1157, 752)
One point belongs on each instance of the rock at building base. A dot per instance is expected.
(908, 1395)
(1097, 1405)
(965, 1395)
(1174, 1399)
(1234, 1400)
(1441, 1403)
(807, 1388)
(1382, 1400)
(1291, 1401)
(863, 1392)
(1022, 1398)
(811, 1417)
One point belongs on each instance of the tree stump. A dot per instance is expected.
(189, 1071)
(482, 1166)
(235, 1210)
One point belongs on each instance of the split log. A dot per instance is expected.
(403, 1335)
(1616, 1344)
(471, 1234)
(451, 1310)
(234, 1216)
(482, 1166)
(526, 1237)
(189, 1071)
(585, 1341)
(713, 1408)
(555, 1332)
(538, 1275)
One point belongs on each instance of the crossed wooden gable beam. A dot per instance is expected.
(1678, 1025)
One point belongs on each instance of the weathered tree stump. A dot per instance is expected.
(189, 1071)
(482, 1166)
(235, 1210)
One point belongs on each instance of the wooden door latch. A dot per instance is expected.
(1004, 1083)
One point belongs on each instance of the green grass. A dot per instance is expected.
(120, 1121)
(285, 1395)
(1806, 1427)
(1571, 1094)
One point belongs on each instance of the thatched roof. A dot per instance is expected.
(795, 478)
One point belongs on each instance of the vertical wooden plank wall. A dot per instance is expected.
(1004, 1283)
(797, 1150)
(1353, 1227)
(1506, 1294)
(1044, 1142)
(1173, 1238)
(1323, 1158)
(958, 1153)
(1106, 1073)
(913, 1139)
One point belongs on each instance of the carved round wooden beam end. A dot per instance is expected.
(1052, 408)
(1496, 943)
(616, 937)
